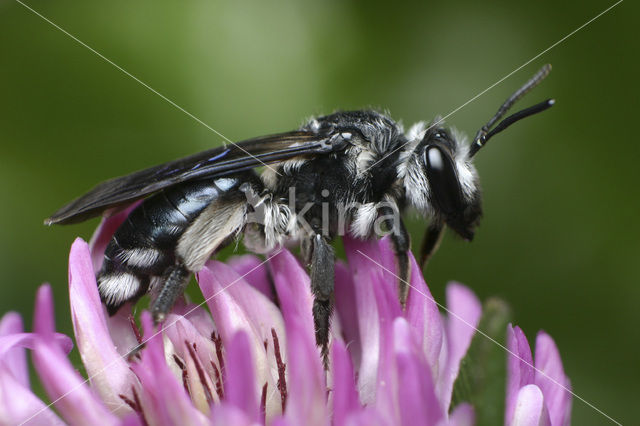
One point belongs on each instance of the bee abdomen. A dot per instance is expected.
(144, 246)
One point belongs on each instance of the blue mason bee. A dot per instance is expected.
(363, 160)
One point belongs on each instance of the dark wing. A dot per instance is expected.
(215, 162)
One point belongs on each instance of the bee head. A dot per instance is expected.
(439, 176)
(441, 180)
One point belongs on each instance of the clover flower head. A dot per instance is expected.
(251, 357)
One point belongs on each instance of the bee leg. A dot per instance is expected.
(431, 241)
(113, 308)
(401, 245)
(176, 279)
(322, 277)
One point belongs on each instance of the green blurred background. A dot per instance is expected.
(559, 240)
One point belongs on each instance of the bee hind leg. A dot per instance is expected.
(176, 279)
(113, 307)
(118, 286)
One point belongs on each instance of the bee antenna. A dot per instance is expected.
(484, 134)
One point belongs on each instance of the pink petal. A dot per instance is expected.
(347, 310)
(306, 403)
(370, 341)
(464, 311)
(236, 305)
(70, 392)
(179, 329)
(416, 392)
(11, 323)
(519, 367)
(44, 322)
(387, 259)
(14, 358)
(163, 398)
(462, 415)
(530, 409)
(132, 419)
(27, 340)
(376, 257)
(44, 317)
(18, 405)
(369, 416)
(345, 395)
(240, 382)
(109, 372)
(424, 317)
(121, 331)
(254, 271)
(196, 315)
(225, 414)
(281, 421)
(550, 378)
(198, 356)
(293, 282)
(388, 382)
(105, 231)
(371, 293)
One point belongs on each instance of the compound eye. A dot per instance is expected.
(443, 180)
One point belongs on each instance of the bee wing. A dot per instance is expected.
(215, 162)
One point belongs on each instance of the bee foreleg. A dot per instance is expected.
(431, 241)
(401, 245)
(322, 278)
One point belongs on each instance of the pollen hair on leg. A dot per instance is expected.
(117, 288)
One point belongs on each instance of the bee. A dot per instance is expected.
(349, 172)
